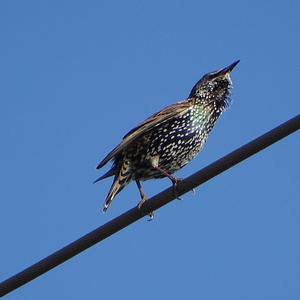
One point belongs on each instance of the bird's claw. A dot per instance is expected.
(151, 216)
(140, 206)
(143, 200)
(175, 182)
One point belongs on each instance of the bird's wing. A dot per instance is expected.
(162, 116)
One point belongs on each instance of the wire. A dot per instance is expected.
(154, 203)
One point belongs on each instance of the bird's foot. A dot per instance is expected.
(194, 191)
(175, 182)
(143, 200)
(151, 216)
(140, 206)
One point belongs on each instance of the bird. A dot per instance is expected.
(169, 139)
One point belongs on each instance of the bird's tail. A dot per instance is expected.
(121, 179)
(113, 171)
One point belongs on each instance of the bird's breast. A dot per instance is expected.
(176, 142)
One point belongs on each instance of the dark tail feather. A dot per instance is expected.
(120, 181)
(111, 172)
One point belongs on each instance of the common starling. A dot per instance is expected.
(169, 139)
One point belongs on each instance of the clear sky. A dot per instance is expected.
(75, 76)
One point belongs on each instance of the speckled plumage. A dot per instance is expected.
(171, 138)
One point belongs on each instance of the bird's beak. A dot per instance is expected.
(228, 69)
(225, 73)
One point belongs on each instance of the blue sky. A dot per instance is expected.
(76, 76)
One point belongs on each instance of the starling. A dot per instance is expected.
(169, 139)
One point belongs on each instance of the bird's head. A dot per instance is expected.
(214, 88)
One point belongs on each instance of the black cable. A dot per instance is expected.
(154, 203)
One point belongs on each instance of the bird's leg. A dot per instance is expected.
(143, 199)
(174, 180)
(142, 193)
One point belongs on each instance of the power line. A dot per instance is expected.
(154, 203)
